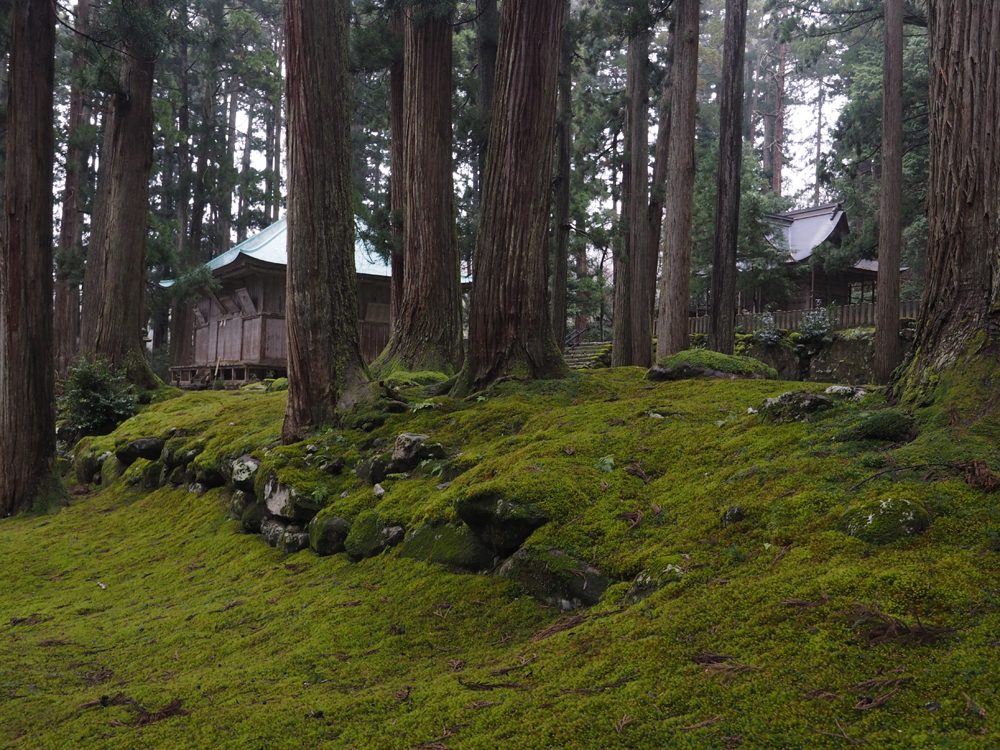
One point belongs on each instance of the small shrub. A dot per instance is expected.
(96, 399)
(769, 334)
(886, 424)
(815, 327)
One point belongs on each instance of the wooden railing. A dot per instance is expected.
(848, 316)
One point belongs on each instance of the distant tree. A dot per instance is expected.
(510, 333)
(27, 389)
(113, 315)
(428, 332)
(672, 324)
(959, 320)
(890, 234)
(721, 336)
(326, 372)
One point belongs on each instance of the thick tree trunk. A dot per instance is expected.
(67, 294)
(959, 323)
(113, 291)
(658, 188)
(722, 330)
(428, 334)
(326, 373)
(397, 177)
(27, 388)
(890, 225)
(564, 148)
(672, 323)
(224, 195)
(487, 28)
(509, 330)
(778, 144)
(244, 205)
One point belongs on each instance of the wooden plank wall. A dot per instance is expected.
(847, 316)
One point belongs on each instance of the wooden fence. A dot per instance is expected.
(848, 316)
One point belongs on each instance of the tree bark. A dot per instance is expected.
(487, 28)
(397, 176)
(820, 96)
(113, 290)
(778, 144)
(509, 330)
(890, 225)
(672, 323)
(658, 188)
(722, 325)
(67, 294)
(242, 227)
(27, 387)
(428, 333)
(959, 324)
(326, 373)
(564, 148)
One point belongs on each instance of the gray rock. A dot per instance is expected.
(239, 503)
(179, 476)
(845, 391)
(555, 578)
(148, 448)
(410, 449)
(794, 406)
(244, 470)
(372, 470)
(447, 544)
(502, 524)
(88, 466)
(327, 534)
(379, 491)
(197, 488)
(733, 514)
(393, 535)
(253, 517)
(209, 476)
(272, 529)
(295, 539)
(284, 501)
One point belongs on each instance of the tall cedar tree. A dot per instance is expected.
(658, 186)
(27, 388)
(428, 332)
(67, 295)
(722, 333)
(509, 329)
(396, 185)
(560, 217)
(632, 337)
(778, 135)
(326, 373)
(959, 311)
(672, 324)
(113, 303)
(486, 40)
(890, 223)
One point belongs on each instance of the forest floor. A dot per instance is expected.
(135, 618)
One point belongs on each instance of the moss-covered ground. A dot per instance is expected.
(776, 631)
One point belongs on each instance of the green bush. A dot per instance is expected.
(96, 399)
(887, 424)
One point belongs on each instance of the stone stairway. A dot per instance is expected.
(585, 355)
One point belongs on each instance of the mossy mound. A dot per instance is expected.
(891, 425)
(697, 363)
(447, 544)
(885, 521)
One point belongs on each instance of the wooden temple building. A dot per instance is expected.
(238, 330)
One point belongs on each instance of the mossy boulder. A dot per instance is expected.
(285, 501)
(701, 363)
(447, 544)
(887, 520)
(278, 384)
(849, 358)
(239, 503)
(174, 455)
(244, 469)
(209, 476)
(88, 465)
(252, 518)
(148, 448)
(294, 539)
(892, 425)
(782, 357)
(327, 534)
(410, 449)
(373, 470)
(657, 574)
(794, 406)
(272, 529)
(555, 578)
(502, 523)
(371, 535)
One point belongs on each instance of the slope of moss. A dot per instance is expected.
(767, 633)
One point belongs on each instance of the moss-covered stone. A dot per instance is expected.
(503, 524)
(148, 448)
(293, 539)
(287, 502)
(892, 425)
(327, 534)
(447, 544)
(239, 502)
(659, 572)
(794, 406)
(253, 517)
(277, 385)
(887, 520)
(555, 578)
(782, 357)
(371, 535)
(698, 363)
(272, 529)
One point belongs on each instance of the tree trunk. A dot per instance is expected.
(113, 300)
(890, 225)
(326, 373)
(672, 324)
(959, 325)
(777, 157)
(486, 37)
(27, 388)
(821, 94)
(428, 334)
(242, 223)
(658, 188)
(224, 196)
(67, 294)
(722, 325)
(564, 148)
(509, 329)
(397, 177)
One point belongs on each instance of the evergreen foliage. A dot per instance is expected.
(95, 399)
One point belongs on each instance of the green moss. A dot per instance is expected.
(688, 363)
(886, 520)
